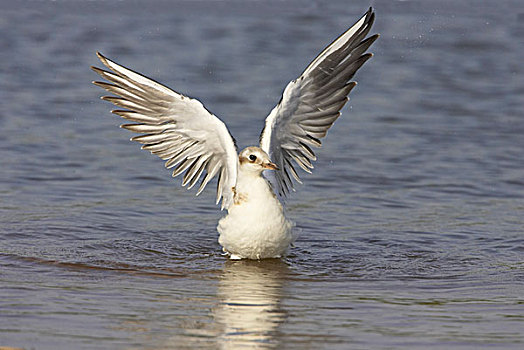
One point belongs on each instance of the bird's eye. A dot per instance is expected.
(252, 157)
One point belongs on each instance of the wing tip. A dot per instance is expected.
(105, 61)
(104, 85)
(370, 12)
(97, 70)
(100, 56)
(370, 40)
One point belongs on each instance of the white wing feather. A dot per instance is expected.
(311, 103)
(178, 129)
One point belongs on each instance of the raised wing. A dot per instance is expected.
(311, 103)
(176, 128)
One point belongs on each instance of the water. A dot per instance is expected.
(411, 225)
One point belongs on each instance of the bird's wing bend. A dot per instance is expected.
(178, 129)
(311, 103)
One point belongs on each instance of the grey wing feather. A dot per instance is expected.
(312, 103)
(176, 128)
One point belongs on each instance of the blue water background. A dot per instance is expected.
(411, 226)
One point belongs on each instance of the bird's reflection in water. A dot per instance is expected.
(249, 313)
(244, 312)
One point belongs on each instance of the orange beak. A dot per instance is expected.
(271, 166)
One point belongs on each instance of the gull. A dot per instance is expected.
(193, 141)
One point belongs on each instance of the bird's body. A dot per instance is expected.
(246, 232)
(181, 131)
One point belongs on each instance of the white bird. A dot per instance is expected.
(181, 131)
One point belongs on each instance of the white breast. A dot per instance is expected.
(255, 226)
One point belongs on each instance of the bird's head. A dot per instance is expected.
(254, 159)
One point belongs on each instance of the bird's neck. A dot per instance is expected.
(252, 189)
(247, 178)
(250, 180)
